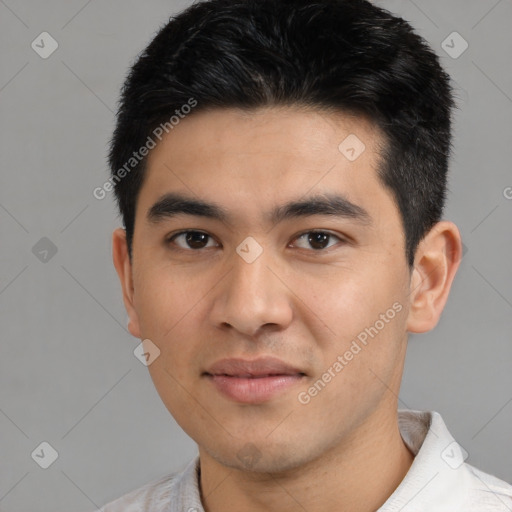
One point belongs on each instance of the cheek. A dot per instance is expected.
(360, 368)
(168, 310)
(343, 298)
(362, 313)
(163, 298)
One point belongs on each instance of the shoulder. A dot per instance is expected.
(154, 496)
(487, 492)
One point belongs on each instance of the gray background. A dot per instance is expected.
(68, 375)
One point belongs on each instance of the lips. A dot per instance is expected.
(258, 368)
(253, 382)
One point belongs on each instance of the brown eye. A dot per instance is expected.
(317, 240)
(191, 239)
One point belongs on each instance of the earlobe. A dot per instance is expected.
(437, 260)
(124, 270)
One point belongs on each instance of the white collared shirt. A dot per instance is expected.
(438, 480)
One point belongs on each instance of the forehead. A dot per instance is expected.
(248, 160)
(299, 132)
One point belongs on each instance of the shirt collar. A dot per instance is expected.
(437, 479)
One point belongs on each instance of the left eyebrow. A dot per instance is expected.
(172, 204)
(324, 204)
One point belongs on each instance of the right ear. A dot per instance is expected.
(123, 267)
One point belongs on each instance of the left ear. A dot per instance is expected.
(435, 264)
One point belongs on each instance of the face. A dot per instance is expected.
(323, 287)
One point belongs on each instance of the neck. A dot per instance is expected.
(359, 474)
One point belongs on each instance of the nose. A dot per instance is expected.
(253, 295)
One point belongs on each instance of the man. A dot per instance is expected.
(280, 167)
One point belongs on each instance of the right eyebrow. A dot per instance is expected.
(173, 204)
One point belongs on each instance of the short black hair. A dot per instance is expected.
(346, 56)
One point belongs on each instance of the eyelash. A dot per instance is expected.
(169, 240)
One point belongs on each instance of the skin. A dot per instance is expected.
(300, 304)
